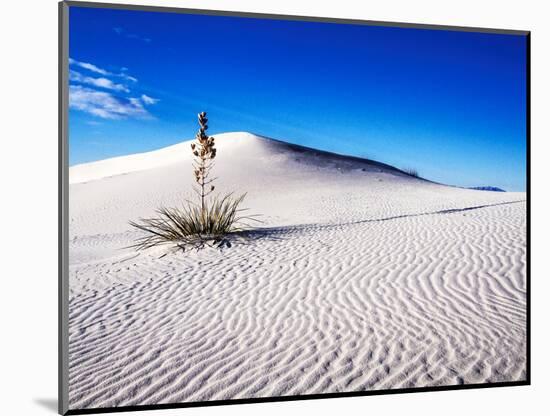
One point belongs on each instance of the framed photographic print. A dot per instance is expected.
(266, 207)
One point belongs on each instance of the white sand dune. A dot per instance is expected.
(360, 278)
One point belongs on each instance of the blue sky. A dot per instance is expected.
(450, 104)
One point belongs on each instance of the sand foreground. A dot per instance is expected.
(359, 278)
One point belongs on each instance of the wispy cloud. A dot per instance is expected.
(103, 97)
(127, 77)
(104, 104)
(89, 67)
(97, 82)
(93, 68)
(124, 74)
(148, 100)
(122, 32)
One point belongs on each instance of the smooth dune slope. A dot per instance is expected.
(360, 277)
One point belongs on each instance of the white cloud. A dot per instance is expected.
(93, 68)
(107, 83)
(104, 104)
(148, 100)
(89, 67)
(128, 77)
(122, 32)
(97, 82)
(96, 94)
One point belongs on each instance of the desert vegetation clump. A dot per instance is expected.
(207, 223)
(412, 172)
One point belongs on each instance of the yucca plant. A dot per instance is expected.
(193, 225)
(196, 225)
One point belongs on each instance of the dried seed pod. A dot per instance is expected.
(204, 151)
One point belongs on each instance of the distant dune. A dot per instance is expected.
(488, 188)
(360, 277)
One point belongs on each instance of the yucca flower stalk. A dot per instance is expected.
(204, 152)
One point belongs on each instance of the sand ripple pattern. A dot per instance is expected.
(416, 300)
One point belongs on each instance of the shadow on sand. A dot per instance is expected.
(281, 233)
